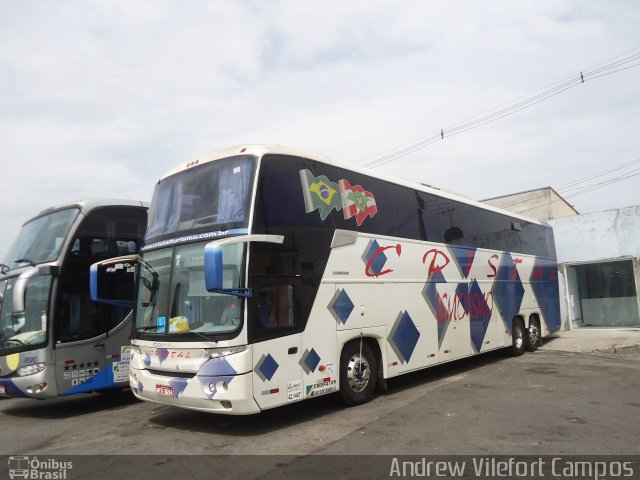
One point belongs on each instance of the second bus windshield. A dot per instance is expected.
(173, 299)
(211, 196)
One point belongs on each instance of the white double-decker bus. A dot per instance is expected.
(270, 275)
(54, 340)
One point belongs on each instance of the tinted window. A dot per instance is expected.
(105, 232)
(212, 195)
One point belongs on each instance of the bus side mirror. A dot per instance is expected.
(113, 281)
(214, 262)
(20, 288)
(213, 267)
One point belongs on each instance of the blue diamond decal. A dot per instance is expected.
(508, 290)
(341, 306)
(312, 360)
(479, 316)
(178, 384)
(437, 307)
(268, 367)
(544, 283)
(464, 258)
(378, 263)
(462, 292)
(404, 337)
(217, 366)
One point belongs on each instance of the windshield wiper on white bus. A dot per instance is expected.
(144, 329)
(25, 260)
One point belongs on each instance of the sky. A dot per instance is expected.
(101, 98)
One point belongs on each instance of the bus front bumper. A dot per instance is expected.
(230, 395)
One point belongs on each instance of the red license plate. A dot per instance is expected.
(3, 391)
(164, 390)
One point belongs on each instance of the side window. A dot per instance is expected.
(458, 222)
(280, 201)
(494, 229)
(275, 307)
(407, 211)
(369, 206)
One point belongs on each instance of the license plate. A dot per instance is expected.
(164, 390)
(2, 390)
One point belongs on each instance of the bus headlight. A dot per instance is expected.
(31, 369)
(224, 351)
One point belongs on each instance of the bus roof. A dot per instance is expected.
(262, 149)
(89, 204)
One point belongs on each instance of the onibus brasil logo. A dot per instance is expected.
(33, 468)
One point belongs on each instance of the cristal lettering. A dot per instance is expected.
(367, 270)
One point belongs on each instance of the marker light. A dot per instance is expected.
(224, 351)
(36, 388)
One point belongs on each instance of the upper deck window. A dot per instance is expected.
(41, 239)
(213, 196)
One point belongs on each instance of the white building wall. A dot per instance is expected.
(596, 238)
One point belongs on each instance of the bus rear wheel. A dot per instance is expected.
(517, 338)
(358, 373)
(533, 337)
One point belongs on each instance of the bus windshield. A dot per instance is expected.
(212, 196)
(173, 299)
(41, 239)
(29, 328)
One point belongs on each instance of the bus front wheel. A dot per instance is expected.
(517, 337)
(358, 372)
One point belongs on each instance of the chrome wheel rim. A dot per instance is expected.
(358, 372)
(518, 336)
(534, 333)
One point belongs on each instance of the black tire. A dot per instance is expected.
(533, 335)
(517, 338)
(358, 386)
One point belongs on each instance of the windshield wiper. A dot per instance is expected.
(144, 329)
(208, 339)
(25, 260)
(4, 268)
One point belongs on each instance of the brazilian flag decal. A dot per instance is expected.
(319, 193)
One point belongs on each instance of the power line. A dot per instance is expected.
(552, 90)
(580, 190)
(572, 184)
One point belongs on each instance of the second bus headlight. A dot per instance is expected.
(224, 351)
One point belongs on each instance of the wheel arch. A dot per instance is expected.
(376, 338)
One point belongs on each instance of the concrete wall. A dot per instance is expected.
(597, 236)
(542, 204)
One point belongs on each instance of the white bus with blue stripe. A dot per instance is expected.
(271, 275)
(54, 340)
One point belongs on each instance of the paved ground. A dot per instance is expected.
(604, 340)
(554, 401)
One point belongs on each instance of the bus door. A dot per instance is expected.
(92, 338)
(275, 329)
